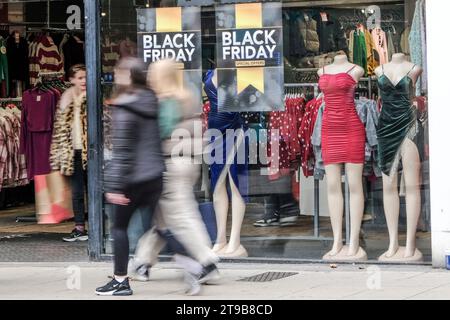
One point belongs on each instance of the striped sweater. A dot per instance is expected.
(44, 57)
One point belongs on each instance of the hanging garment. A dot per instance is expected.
(4, 70)
(127, 48)
(391, 47)
(18, 59)
(38, 112)
(48, 56)
(380, 41)
(372, 62)
(33, 61)
(360, 50)
(418, 45)
(404, 42)
(305, 136)
(331, 33)
(293, 42)
(61, 51)
(44, 57)
(110, 56)
(12, 163)
(308, 31)
(351, 45)
(398, 121)
(343, 135)
(73, 51)
(284, 144)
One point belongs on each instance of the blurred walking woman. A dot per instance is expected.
(134, 177)
(68, 153)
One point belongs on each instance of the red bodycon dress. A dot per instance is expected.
(343, 133)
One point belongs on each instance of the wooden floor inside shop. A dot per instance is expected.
(28, 241)
(8, 223)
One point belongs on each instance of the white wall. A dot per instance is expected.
(438, 50)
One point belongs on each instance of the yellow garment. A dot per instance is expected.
(372, 63)
(351, 44)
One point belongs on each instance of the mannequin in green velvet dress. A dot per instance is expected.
(397, 134)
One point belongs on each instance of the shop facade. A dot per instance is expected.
(280, 209)
(288, 236)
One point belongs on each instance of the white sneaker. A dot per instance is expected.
(139, 272)
(193, 286)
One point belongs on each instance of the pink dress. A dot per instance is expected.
(343, 133)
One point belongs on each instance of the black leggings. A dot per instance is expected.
(141, 195)
(79, 183)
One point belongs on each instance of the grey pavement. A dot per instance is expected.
(68, 281)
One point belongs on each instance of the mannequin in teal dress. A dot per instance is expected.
(397, 134)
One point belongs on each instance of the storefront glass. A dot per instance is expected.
(290, 195)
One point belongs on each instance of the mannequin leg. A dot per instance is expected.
(221, 202)
(336, 205)
(411, 169)
(238, 211)
(354, 175)
(391, 205)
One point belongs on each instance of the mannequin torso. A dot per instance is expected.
(342, 65)
(398, 68)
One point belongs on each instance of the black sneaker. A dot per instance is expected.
(76, 235)
(269, 220)
(289, 214)
(209, 274)
(115, 288)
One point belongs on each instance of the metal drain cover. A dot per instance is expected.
(268, 276)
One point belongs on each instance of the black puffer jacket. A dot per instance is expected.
(136, 153)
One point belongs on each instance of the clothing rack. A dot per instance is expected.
(10, 99)
(52, 30)
(371, 80)
(316, 235)
(50, 74)
(302, 85)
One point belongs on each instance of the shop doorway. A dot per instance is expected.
(40, 41)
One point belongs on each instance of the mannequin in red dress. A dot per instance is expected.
(343, 143)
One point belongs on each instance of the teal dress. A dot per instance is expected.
(398, 121)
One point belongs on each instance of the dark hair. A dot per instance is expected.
(76, 68)
(138, 71)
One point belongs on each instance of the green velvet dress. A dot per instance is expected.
(398, 121)
(360, 50)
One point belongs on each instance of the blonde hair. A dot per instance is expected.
(163, 78)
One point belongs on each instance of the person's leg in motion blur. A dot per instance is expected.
(141, 195)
